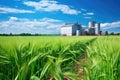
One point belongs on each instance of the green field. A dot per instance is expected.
(55, 57)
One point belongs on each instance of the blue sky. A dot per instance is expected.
(47, 16)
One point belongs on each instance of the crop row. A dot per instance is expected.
(46, 59)
(103, 59)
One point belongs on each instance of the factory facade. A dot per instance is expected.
(71, 29)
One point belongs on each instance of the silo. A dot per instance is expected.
(92, 31)
(91, 24)
(77, 32)
(97, 28)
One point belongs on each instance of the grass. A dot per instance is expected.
(40, 58)
(53, 58)
(104, 59)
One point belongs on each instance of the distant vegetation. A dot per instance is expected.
(37, 34)
(29, 34)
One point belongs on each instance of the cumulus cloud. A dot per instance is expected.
(13, 18)
(24, 25)
(51, 6)
(14, 10)
(110, 25)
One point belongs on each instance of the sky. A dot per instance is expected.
(47, 16)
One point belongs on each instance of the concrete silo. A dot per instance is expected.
(78, 32)
(97, 28)
(91, 24)
(70, 29)
(91, 27)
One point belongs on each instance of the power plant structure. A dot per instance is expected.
(72, 29)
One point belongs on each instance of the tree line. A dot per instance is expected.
(37, 34)
(28, 34)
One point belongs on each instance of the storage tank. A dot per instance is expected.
(91, 24)
(97, 28)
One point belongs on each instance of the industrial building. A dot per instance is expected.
(71, 29)
(94, 28)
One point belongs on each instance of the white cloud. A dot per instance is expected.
(84, 26)
(51, 6)
(83, 9)
(13, 18)
(14, 10)
(89, 13)
(49, 20)
(23, 25)
(87, 17)
(110, 25)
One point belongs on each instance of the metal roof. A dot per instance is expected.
(70, 24)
